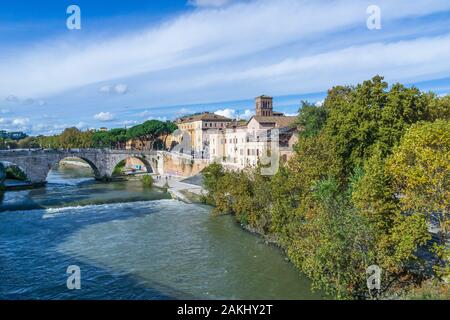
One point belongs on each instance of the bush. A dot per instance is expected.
(429, 290)
(147, 181)
(15, 173)
(119, 169)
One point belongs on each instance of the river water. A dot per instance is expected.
(132, 243)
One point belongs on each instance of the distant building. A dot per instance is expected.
(18, 135)
(200, 126)
(103, 129)
(239, 145)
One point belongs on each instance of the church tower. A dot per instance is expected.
(264, 106)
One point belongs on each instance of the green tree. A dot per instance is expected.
(420, 169)
(211, 177)
(311, 119)
(70, 138)
(333, 245)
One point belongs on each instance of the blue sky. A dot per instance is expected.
(136, 60)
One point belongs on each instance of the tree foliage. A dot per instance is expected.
(370, 165)
(311, 119)
(116, 138)
(420, 170)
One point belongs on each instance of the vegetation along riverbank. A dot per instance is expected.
(368, 185)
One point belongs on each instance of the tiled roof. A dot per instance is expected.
(237, 124)
(206, 116)
(279, 122)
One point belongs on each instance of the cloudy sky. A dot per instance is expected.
(136, 60)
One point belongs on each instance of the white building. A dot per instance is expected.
(199, 127)
(264, 135)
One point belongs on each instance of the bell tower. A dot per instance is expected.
(264, 106)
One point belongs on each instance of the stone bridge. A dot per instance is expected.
(37, 163)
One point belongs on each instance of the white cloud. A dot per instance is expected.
(104, 116)
(27, 102)
(81, 125)
(319, 103)
(20, 121)
(144, 114)
(128, 122)
(200, 38)
(117, 89)
(48, 129)
(233, 114)
(105, 89)
(120, 88)
(229, 113)
(247, 114)
(344, 66)
(15, 124)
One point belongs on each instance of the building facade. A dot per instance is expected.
(199, 127)
(265, 135)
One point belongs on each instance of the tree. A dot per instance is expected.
(169, 128)
(333, 245)
(70, 138)
(117, 137)
(311, 119)
(101, 139)
(211, 176)
(146, 133)
(420, 169)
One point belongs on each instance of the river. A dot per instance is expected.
(132, 243)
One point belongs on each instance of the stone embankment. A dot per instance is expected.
(178, 189)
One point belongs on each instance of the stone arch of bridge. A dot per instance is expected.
(91, 163)
(146, 161)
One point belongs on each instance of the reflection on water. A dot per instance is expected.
(132, 243)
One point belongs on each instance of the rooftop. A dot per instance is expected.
(206, 116)
(277, 121)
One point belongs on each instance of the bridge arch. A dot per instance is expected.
(149, 167)
(92, 165)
